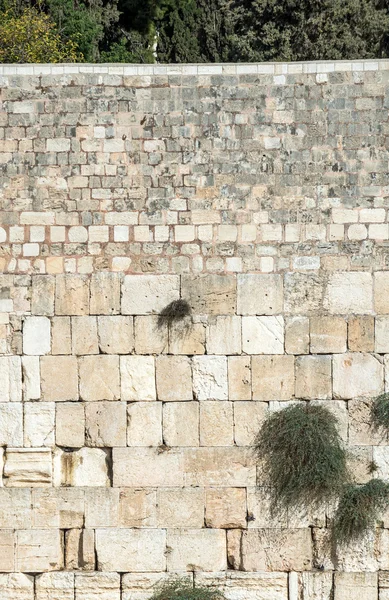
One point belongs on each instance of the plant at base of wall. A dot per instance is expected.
(358, 510)
(183, 589)
(380, 412)
(302, 456)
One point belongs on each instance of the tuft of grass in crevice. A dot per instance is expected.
(174, 312)
(358, 510)
(302, 456)
(380, 412)
(183, 589)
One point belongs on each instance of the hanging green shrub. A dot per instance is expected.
(358, 509)
(183, 589)
(173, 312)
(380, 412)
(302, 456)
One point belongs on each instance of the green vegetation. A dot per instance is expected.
(380, 412)
(302, 457)
(183, 589)
(358, 510)
(173, 312)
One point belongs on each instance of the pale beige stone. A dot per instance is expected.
(180, 507)
(26, 467)
(187, 337)
(36, 336)
(151, 541)
(97, 586)
(259, 294)
(210, 294)
(59, 377)
(359, 460)
(313, 377)
(70, 424)
(212, 467)
(234, 555)
(101, 507)
(196, 550)
(147, 467)
(84, 336)
(181, 424)
(349, 586)
(303, 293)
(71, 507)
(361, 334)
(39, 424)
(99, 377)
(42, 295)
(259, 510)
(225, 508)
(236, 585)
(381, 334)
(216, 424)
(80, 549)
(38, 550)
(361, 430)
(210, 377)
(11, 424)
(277, 550)
(105, 293)
(174, 378)
(224, 335)
(105, 424)
(359, 555)
(381, 292)
(328, 335)
(31, 378)
(116, 335)
(54, 586)
(297, 335)
(263, 335)
(239, 377)
(137, 378)
(147, 294)
(16, 586)
(7, 551)
(61, 339)
(273, 377)
(15, 508)
(85, 467)
(72, 295)
(144, 424)
(315, 586)
(357, 375)
(137, 507)
(150, 338)
(350, 292)
(248, 419)
(10, 379)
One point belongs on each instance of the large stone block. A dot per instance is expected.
(147, 467)
(10, 379)
(239, 377)
(39, 424)
(151, 542)
(59, 377)
(180, 507)
(315, 586)
(196, 550)
(260, 294)
(297, 335)
(174, 378)
(84, 336)
(181, 424)
(137, 378)
(328, 335)
(101, 507)
(187, 337)
(213, 467)
(116, 335)
(224, 335)
(263, 335)
(42, 295)
(80, 549)
(350, 292)
(248, 418)
(31, 378)
(225, 508)
(38, 550)
(361, 430)
(106, 424)
(25, 467)
(61, 338)
(137, 507)
(36, 336)
(303, 293)
(16, 586)
(381, 334)
(210, 294)
(97, 586)
(313, 377)
(147, 294)
(11, 424)
(216, 424)
(99, 378)
(210, 377)
(55, 586)
(381, 292)
(70, 424)
(105, 294)
(361, 334)
(144, 424)
(357, 375)
(150, 338)
(72, 295)
(276, 550)
(15, 508)
(349, 586)
(259, 510)
(236, 585)
(7, 551)
(273, 377)
(85, 467)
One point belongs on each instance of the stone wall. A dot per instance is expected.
(259, 194)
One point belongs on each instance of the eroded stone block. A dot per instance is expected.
(239, 377)
(144, 424)
(116, 335)
(106, 424)
(85, 467)
(181, 424)
(210, 294)
(277, 550)
(196, 550)
(72, 295)
(273, 377)
(137, 378)
(38, 550)
(16, 586)
(210, 377)
(313, 377)
(11, 424)
(260, 294)
(36, 336)
(328, 335)
(180, 507)
(147, 467)
(105, 293)
(59, 378)
(42, 295)
(39, 424)
(99, 377)
(348, 586)
(97, 586)
(174, 378)
(151, 541)
(70, 424)
(297, 335)
(224, 335)
(10, 379)
(357, 375)
(350, 292)
(55, 586)
(248, 418)
(263, 335)
(216, 424)
(147, 294)
(84, 336)
(25, 467)
(225, 508)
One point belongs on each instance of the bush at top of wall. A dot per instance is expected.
(380, 412)
(183, 589)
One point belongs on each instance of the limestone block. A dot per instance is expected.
(381, 292)
(196, 550)
(328, 335)
(39, 424)
(72, 295)
(116, 335)
(105, 424)
(276, 550)
(358, 556)
(147, 294)
(359, 461)
(101, 507)
(1, 466)
(263, 335)
(54, 586)
(234, 555)
(70, 424)
(31, 378)
(7, 551)
(27, 468)
(216, 424)
(303, 293)
(260, 511)
(210, 294)
(16, 586)
(381, 334)
(61, 339)
(11, 424)
(187, 337)
(174, 378)
(315, 586)
(147, 467)
(10, 379)
(181, 423)
(239, 377)
(224, 335)
(80, 549)
(180, 507)
(357, 375)
(97, 586)
(137, 508)
(42, 295)
(38, 550)
(248, 419)
(297, 335)
(348, 586)
(224, 467)
(59, 378)
(381, 459)
(144, 424)
(141, 586)
(225, 508)
(361, 430)
(137, 378)
(313, 377)
(259, 294)
(71, 507)
(85, 467)
(149, 337)
(36, 336)
(84, 336)
(15, 508)
(236, 585)
(361, 334)
(323, 555)
(273, 377)
(105, 293)
(210, 377)
(45, 508)
(383, 583)
(350, 292)
(152, 543)
(99, 377)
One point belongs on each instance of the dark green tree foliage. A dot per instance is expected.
(380, 412)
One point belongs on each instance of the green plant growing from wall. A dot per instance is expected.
(302, 456)
(380, 412)
(358, 510)
(174, 312)
(183, 589)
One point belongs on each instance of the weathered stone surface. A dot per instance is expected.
(361, 334)
(149, 337)
(59, 377)
(146, 294)
(196, 550)
(61, 340)
(80, 549)
(97, 586)
(251, 586)
(99, 378)
(116, 334)
(11, 424)
(101, 507)
(210, 294)
(315, 586)
(273, 377)
(85, 467)
(187, 337)
(350, 292)
(224, 335)
(348, 586)
(225, 508)
(297, 335)
(15, 508)
(106, 424)
(39, 424)
(16, 586)
(303, 293)
(248, 418)
(174, 378)
(137, 507)
(54, 586)
(210, 377)
(328, 335)
(361, 430)
(276, 550)
(70, 424)
(105, 294)
(180, 507)
(71, 295)
(313, 377)
(146, 467)
(84, 336)
(263, 335)
(151, 541)
(31, 378)
(239, 377)
(259, 294)
(42, 295)
(144, 424)
(381, 292)
(259, 510)
(38, 550)
(357, 375)
(10, 379)
(224, 467)
(137, 378)
(36, 336)
(181, 424)
(26, 467)
(7, 551)
(381, 334)
(216, 424)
